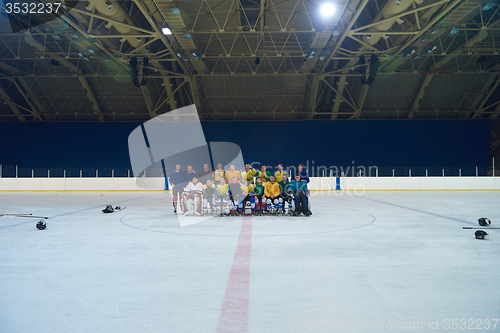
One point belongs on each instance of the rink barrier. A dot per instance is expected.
(317, 184)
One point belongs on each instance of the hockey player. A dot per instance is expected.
(221, 196)
(177, 182)
(300, 196)
(190, 174)
(272, 192)
(209, 196)
(250, 173)
(205, 174)
(278, 174)
(219, 173)
(265, 175)
(232, 173)
(303, 173)
(236, 197)
(248, 195)
(193, 191)
(260, 202)
(285, 192)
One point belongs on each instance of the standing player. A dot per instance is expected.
(232, 173)
(300, 196)
(265, 175)
(177, 182)
(272, 192)
(221, 197)
(285, 192)
(219, 173)
(194, 191)
(190, 174)
(236, 196)
(250, 173)
(260, 203)
(209, 197)
(205, 174)
(303, 173)
(278, 174)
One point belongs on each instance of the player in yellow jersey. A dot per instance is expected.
(278, 174)
(250, 173)
(274, 202)
(265, 175)
(232, 173)
(248, 196)
(221, 197)
(219, 173)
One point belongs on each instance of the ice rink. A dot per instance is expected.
(376, 262)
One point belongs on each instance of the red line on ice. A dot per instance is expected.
(234, 312)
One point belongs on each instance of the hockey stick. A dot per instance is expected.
(36, 217)
(480, 228)
(13, 214)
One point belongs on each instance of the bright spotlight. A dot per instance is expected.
(328, 9)
(166, 30)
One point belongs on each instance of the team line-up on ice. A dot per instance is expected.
(231, 192)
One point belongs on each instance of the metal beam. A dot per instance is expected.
(159, 34)
(32, 107)
(429, 25)
(480, 108)
(13, 106)
(343, 36)
(429, 78)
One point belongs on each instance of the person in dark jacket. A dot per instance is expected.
(177, 182)
(300, 196)
(303, 173)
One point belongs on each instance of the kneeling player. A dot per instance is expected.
(300, 196)
(273, 200)
(209, 197)
(193, 191)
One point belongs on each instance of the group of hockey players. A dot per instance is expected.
(231, 192)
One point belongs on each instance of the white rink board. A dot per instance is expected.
(419, 183)
(316, 184)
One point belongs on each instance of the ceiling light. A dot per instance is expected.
(488, 6)
(328, 9)
(453, 32)
(166, 30)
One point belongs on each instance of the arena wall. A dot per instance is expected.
(417, 144)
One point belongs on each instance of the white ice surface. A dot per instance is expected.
(382, 256)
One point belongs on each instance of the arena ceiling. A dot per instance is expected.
(256, 60)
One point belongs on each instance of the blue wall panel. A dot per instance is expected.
(384, 143)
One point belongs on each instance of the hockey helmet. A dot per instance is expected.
(41, 225)
(480, 234)
(108, 209)
(484, 222)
